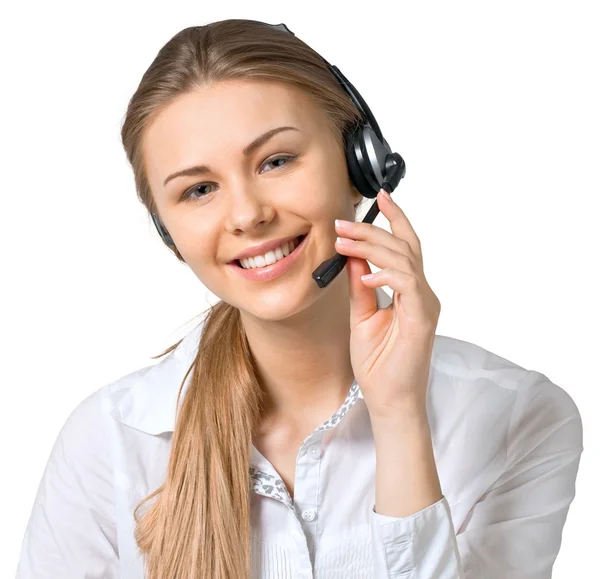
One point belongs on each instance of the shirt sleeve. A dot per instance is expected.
(514, 530)
(71, 531)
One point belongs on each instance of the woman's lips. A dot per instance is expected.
(273, 270)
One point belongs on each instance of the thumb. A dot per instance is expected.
(363, 300)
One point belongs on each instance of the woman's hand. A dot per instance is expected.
(390, 348)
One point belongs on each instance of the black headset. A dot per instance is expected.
(372, 165)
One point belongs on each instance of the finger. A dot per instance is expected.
(378, 255)
(408, 288)
(363, 300)
(399, 223)
(373, 234)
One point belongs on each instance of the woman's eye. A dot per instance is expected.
(284, 157)
(188, 193)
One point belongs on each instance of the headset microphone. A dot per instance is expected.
(372, 165)
(334, 265)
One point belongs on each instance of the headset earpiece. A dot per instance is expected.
(368, 160)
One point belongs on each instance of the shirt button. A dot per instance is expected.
(315, 452)
(308, 514)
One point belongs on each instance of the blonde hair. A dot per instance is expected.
(199, 525)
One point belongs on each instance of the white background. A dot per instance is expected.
(493, 105)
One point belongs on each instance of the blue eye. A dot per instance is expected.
(188, 193)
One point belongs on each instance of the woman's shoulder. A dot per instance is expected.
(84, 433)
(462, 367)
(145, 398)
(487, 413)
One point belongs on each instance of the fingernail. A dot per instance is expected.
(385, 194)
(342, 223)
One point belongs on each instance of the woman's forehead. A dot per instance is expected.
(243, 104)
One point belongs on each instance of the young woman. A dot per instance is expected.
(298, 431)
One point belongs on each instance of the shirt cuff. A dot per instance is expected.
(421, 545)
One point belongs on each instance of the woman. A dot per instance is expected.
(298, 431)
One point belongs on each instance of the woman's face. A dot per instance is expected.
(238, 199)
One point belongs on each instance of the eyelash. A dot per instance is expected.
(186, 194)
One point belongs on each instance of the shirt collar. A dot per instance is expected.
(150, 403)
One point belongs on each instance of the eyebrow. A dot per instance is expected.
(247, 151)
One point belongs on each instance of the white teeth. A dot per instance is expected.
(270, 257)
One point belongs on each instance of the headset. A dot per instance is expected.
(372, 166)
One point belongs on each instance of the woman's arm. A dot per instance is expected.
(514, 530)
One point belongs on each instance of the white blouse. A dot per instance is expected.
(507, 444)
